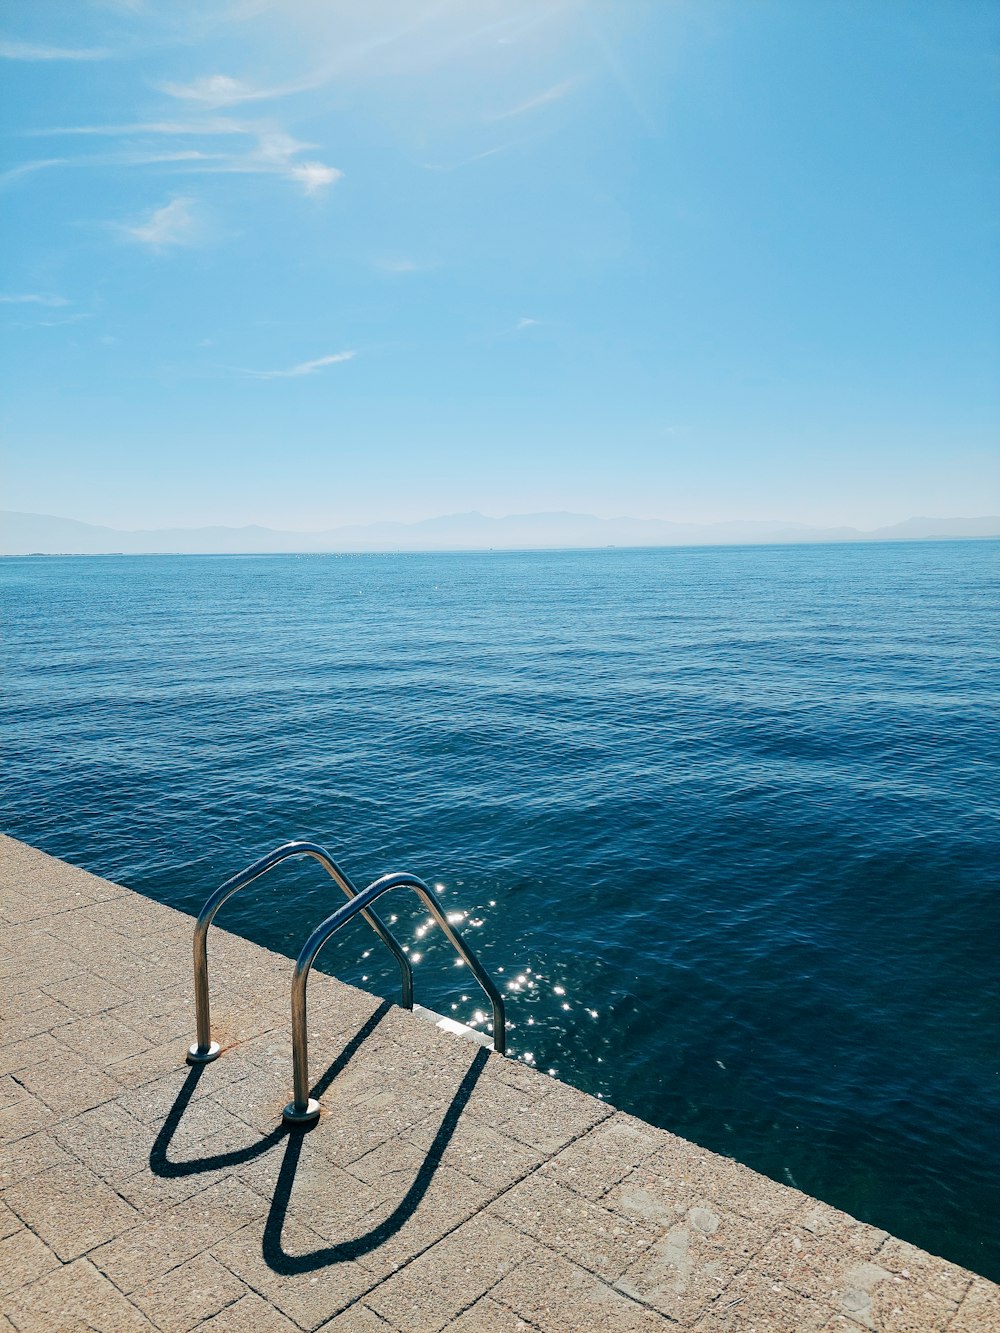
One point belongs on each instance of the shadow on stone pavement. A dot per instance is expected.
(276, 1258)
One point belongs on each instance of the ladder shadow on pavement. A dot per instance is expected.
(343, 1251)
(161, 1164)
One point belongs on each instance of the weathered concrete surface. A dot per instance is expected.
(442, 1188)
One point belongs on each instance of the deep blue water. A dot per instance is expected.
(726, 818)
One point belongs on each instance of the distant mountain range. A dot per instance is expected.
(43, 534)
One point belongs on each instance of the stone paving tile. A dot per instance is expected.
(323, 1197)
(27, 1157)
(11, 1091)
(393, 1166)
(979, 1311)
(68, 1087)
(138, 918)
(33, 946)
(922, 1269)
(643, 1197)
(256, 1100)
(86, 938)
(486, 1316)
(384, 1223)
(603, 1157)
(71, 1209)
(834, 1260)
(679, 1169)
(310, 1296)
(18, 975)
(890, 1305)
(358, 1319)
(21, 1114)
(155, 1099)
(558, 1297)
(350, 1130)
(202, 1119)
(477, 1151)
(23, 1258)
(98, 1035)
(32, 1051)
(76, 1299)
(552, 1121)
(177, 1234)
(22, 866)
(107, 1139)
(184, 1298)
(37, 1050)
(150, 1192)
(249, 1314)
(134, 973)
(38, 1013)
(577, 1228)
(262, 1168)
(448, 1277)
(36, 1004)
(167, 1016)
(522, 1077)
(838, 1229)
(86, 994)
(753, 1303)
(449, 1200)
(9, 1222)
(37, 904)
(432, 1053)
(688, 1267)
(495, 1101)
(132, 1071)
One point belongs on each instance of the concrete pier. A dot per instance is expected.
(442, 1188)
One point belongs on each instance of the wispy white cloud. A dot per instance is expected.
(553, 94)
(172, 225)
(269, 150)
(178, 157)
(27, 168)
(465, 161)
(33, 298)
(314, 176)
(52, 323)
(217, 90)
(306, 368)
(29, 51)
(399, 264)
(277, 153)
(526, 322)
(216, 125)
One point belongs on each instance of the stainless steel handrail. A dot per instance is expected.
(303, 1108)
(205, 1049)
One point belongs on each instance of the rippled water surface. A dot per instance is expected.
(724, 821)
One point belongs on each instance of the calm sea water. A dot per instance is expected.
(725, 818)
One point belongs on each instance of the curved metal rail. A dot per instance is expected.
(205, 1049)
(303, 1108)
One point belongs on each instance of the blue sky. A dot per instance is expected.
(305, 263)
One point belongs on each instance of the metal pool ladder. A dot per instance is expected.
(303, 1109)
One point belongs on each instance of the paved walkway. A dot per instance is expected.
(443, 1187)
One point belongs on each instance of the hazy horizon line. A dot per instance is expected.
(27, 534)
(523, 514)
